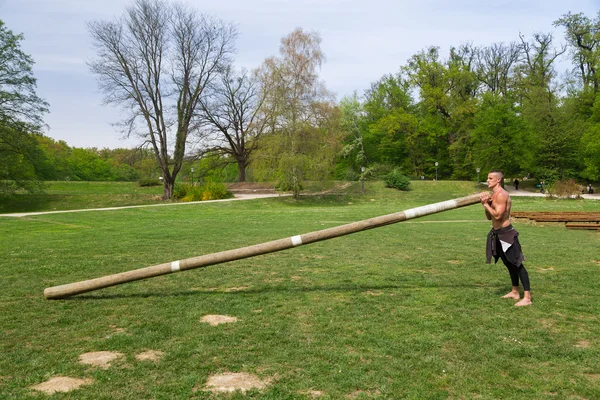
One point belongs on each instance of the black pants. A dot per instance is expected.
(515, 272)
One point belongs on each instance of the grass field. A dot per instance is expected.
(78, 195)
(410, 310)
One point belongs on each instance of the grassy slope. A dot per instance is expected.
(405, 311)
(79, 195)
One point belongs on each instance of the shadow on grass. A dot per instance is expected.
(340, 288)
(27, 202)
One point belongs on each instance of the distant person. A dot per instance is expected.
(590, 189)
(516, 183)
(503, 239)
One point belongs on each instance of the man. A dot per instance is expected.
(503, 239)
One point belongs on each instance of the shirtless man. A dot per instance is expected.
(503, 239)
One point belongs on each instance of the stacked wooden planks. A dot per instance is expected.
(572, 219)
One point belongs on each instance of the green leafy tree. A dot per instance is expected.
(555, 150)
(583, 38)
(500, 137)
(21, 111)
(353, 124)
(447, 91)
(393, 134)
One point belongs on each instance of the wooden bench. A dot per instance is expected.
(572, 219)
(591, 226)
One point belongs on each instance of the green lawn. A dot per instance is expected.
(78, 195)
(409, 310)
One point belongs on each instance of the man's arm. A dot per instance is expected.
(497, 208)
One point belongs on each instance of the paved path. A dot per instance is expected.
(514, 192)
(237, 197)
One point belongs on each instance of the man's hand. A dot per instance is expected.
(485, 198)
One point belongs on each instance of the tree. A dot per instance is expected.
(447, 91)
(156, 62)
(583, 37)
(393, 136)
(21, 112)
(500, 140)
(303, 123)
(353, 124)
(555, 151)
(234, 118)
(494, 66)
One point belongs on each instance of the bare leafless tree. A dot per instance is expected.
(494, 65)
(155, 62)
(234, 117)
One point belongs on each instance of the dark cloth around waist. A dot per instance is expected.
(510, 237)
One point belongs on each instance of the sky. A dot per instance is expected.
(362, 40)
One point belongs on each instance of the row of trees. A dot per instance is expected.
(499, 106)
(171, 71)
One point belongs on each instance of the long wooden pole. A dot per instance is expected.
(71, 289)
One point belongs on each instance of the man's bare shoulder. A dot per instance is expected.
(502, 195)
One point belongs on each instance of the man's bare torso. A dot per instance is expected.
(503, 219)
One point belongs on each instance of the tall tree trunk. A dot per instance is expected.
(241, 170)
(168, 183)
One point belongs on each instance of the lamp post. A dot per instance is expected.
(478, 169)
(362, 170)
(192, 176)
(436, 165)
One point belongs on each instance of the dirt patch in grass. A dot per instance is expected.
(236, 289)
(116, 329)
(545, 269)
(100, 359)
(358, 393)
(230, 382)
(150, 355)
(312, 393)
(61, 384)
(593, 377)
(373, 293)
(215, 320)
(583, 344)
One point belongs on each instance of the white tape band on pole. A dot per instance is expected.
(430, 209)
(175, 266)
(296, 240)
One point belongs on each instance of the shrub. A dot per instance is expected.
(179, 191)
(396, 180)
(208, 191)
(381, 170)
(144, 182)
(215, 191)
(566, 188)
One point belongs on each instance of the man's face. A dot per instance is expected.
(493, 179)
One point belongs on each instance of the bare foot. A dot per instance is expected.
(512, 295)
(524, 302)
